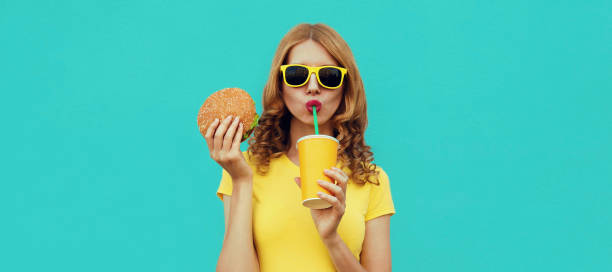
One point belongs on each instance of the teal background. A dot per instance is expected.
(492, 119)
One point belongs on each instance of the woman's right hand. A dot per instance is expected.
(224, 145)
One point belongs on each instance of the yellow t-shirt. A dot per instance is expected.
(285, 235)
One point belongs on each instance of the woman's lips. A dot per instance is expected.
(315, 103)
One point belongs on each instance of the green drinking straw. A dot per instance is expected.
(316, 124)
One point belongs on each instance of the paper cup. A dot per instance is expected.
(317, 153)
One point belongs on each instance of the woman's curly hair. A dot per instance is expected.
(271, 135)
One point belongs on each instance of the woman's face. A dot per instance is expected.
(311, 53)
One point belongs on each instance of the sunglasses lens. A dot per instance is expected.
(296, 75)
(330, 77)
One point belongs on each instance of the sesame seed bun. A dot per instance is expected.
(225, 102)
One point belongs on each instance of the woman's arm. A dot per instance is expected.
(375, 253)
(376, 250)
(238, 252)
(341, 255)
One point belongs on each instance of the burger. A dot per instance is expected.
(225, 102)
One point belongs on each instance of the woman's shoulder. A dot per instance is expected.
(379, 176)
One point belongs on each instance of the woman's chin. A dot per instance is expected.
(311, 122)
(307, 121)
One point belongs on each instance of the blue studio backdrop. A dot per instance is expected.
(492, 119)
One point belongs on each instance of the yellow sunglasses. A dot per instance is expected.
(297, 75)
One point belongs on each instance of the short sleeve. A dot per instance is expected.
(225, 186)
(381, 202)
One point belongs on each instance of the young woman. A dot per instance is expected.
(266, 226)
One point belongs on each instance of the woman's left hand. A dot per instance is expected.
(327, 220)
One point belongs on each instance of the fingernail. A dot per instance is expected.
(237, 118)
(216, 120)
(228, 118)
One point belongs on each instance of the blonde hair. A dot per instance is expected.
(271, 135)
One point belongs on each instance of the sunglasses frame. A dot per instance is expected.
(313, 70)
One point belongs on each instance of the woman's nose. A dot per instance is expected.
(313, 84)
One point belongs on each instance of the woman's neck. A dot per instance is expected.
(298, 130)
